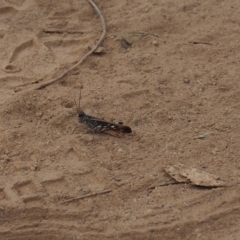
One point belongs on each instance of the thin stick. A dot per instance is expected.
(16, 89)
(164, 184)
(79, 100)
(86, 55)
(61, 31)
(196, 42)
(87, 195)
(200, 83)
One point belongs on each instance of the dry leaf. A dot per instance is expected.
(182, 173)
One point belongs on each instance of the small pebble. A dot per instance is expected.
(154, 43)
(126, 43)
(214, 152)
(186, 80)
(39, 114)
(33, 168)
(134, 218)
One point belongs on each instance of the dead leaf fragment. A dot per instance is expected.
(201, 136)
(100, 50)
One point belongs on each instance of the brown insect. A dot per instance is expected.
(98, 125)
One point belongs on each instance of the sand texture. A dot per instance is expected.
(169, 70)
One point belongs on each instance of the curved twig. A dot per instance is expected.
(86, 55)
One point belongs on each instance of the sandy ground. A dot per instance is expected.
(178, 79)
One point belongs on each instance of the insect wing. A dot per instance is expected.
(111, 126)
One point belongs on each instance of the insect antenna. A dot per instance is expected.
(78, 108)
(78, 105)
(79, 99)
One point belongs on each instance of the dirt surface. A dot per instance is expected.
(174, 78)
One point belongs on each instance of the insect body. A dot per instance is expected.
(99, 125)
